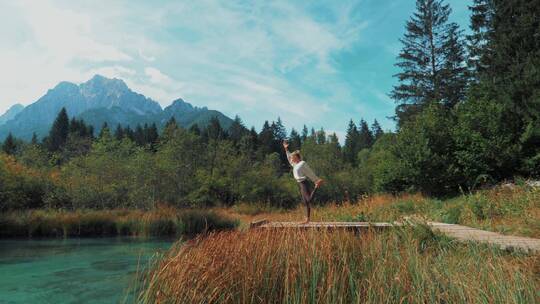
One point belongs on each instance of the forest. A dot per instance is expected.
(467, 116)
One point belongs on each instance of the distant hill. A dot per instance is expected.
(97, 101)
(11, 113)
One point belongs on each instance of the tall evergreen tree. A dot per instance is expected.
(365, 137)
(454, 73)
(279, 131)
(104, 127)
(266, 139)
(129, 133)
(295, 141)
(305, 133)
(195, 129)
(424, 59)
(237, 129)
(119, 132)
(351, 143)
(321, 137)
(376, 130)
(482, 12)
(10, 145)
(105, 131)
(59, 131)
(34, 141)
(138, 135)
(214, 130)
(152, 134)
(169, 129)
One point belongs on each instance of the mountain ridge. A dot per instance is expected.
(101, 100)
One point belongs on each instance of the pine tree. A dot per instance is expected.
(313, 134)
(195, 129)
(351, 143)
(455, 75)
(365, 137)
(237, 129)
(376, 130)
(59, 131)
(321, 137)
(172, 123)
(214, 130)
(482, 12)
(169, 129)
(152, 134)
(425, 58)
(295, 140)
(129, 133)
(266, 139)
(34, 141)
(279, 131)
(304, 135)
(119, 132)
(105, 131)
(138, 135)
(10, 145)
(104, 128)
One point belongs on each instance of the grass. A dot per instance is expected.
(506, 210)
(409, 265)
(163, 221)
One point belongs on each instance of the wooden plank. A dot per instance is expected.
(459, 232)
(358, 226)
(464, 233)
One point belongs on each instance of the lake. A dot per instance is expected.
(90, 270)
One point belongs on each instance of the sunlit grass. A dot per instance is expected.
(506, 210)
(410, 265)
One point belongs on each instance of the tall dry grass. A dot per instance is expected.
(409, 265)
(162, 221)
(506, 210)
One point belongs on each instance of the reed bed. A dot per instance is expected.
(163, 221)
(407, 265)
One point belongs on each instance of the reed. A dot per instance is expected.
(408, 265)
(163, 221)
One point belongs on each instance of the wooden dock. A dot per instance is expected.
(468, 234)
(458, 232)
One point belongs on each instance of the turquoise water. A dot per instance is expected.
(95, 270)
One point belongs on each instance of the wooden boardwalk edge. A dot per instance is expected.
(458, 232)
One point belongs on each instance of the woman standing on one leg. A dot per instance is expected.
(302, 172)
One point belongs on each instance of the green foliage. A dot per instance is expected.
(484, 142)
(424, 148)
(431, 61)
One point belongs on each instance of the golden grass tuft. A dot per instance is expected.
(295, 266)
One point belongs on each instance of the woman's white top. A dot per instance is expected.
(301, 170)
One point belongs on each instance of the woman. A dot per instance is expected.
(302, 172)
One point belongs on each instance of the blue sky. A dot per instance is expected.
(318, 63)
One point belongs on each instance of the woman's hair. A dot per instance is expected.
(297, 153)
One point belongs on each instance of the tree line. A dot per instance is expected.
(467, 114)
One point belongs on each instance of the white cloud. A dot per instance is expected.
(145, 57)
(156, 76)
(231, 56)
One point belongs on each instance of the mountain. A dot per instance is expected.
(187, 115)
(11, 113)
(100, 100)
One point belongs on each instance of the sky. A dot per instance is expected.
(319, 63)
